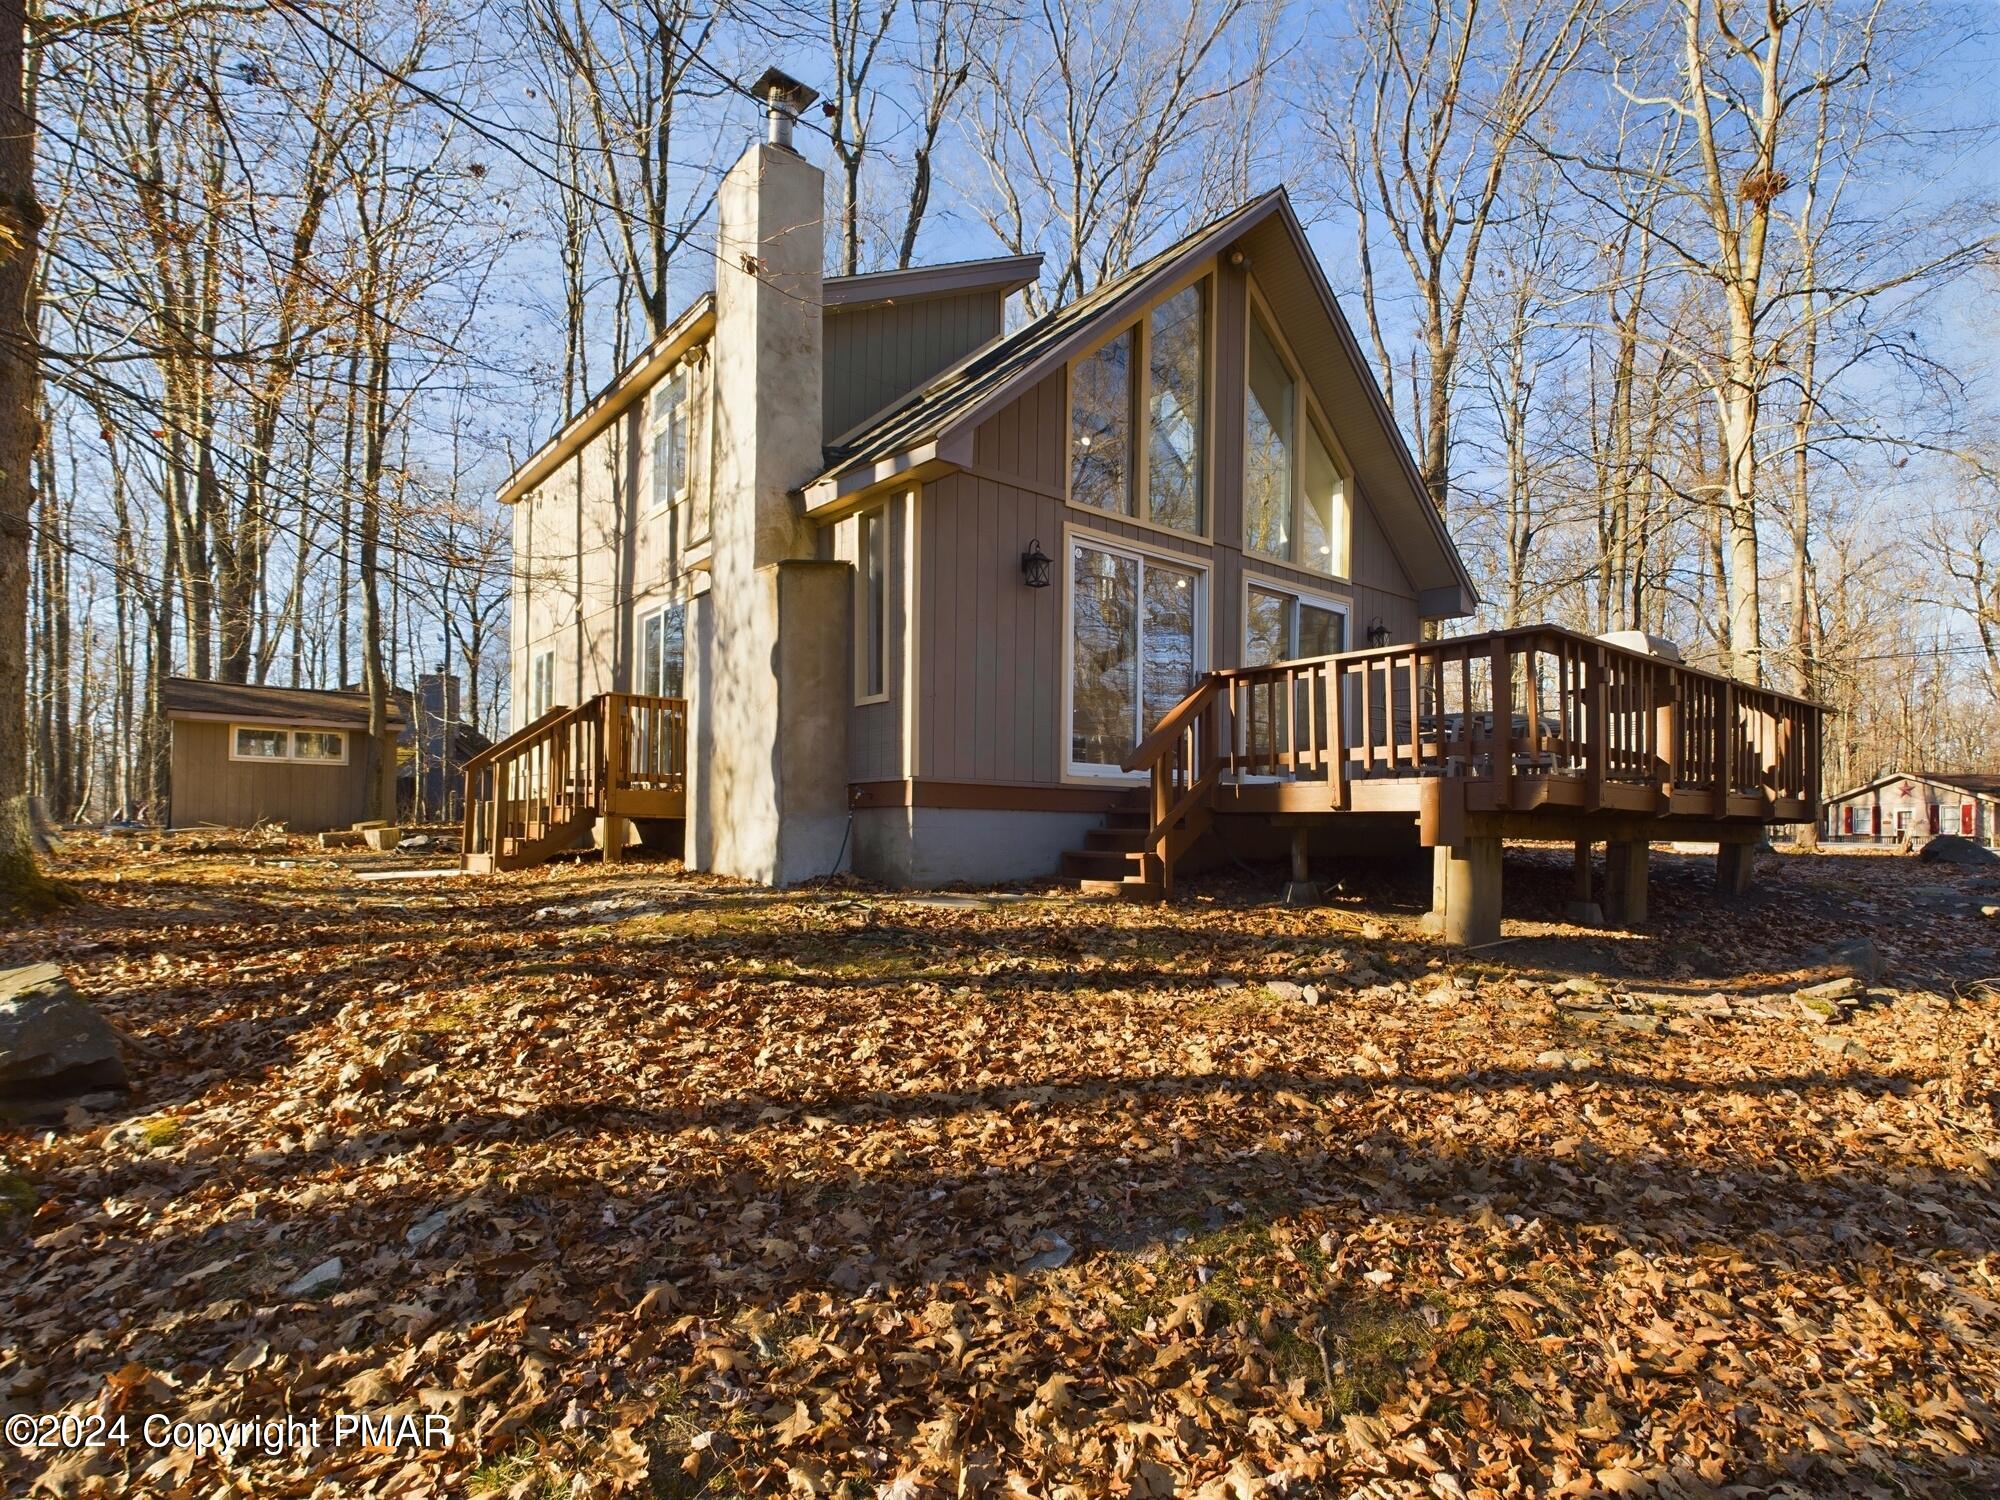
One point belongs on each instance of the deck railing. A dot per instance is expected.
(570, 763)
(1540, 703)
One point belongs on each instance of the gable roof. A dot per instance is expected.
(249, 703)
(1001, 276)
(1983, 783)
(935, 422)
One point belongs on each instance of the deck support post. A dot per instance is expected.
(1583, 907)
(611, 835)
(1465, 892)
(1625, 882)
(1301, 889)
(1735, 866)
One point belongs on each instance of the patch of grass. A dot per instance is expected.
(17, 1195)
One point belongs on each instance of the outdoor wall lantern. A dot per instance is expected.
(1378, 633)
(1035, 565)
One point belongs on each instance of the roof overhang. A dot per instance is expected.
(278, 721)
(831, 498)
(1002, 276)
(639, 376)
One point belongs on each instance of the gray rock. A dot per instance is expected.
(323, 1275)
(51, 1042)
(1649, 1025)
(1834, 990)
(1284, 989)
(1839, 1046)
(1052, 1252)
(1951, 849)
(1859, 957)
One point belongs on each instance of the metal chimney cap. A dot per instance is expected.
(777, 87)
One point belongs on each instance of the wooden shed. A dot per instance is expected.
(247, 754)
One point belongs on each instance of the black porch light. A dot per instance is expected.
(1378, 633)
(1035, 565)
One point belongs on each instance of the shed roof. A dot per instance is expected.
(247, 703)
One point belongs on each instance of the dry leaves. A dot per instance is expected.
(655, 1185)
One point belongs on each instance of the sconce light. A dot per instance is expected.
(1378, 633)
(1035, 565)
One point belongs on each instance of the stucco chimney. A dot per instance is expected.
(773, 711)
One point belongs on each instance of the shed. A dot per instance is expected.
(245, 754)
(1916, 805)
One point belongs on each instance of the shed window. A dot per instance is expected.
(1138, 417)
(261, 744)
(871, 603)
(319, 744)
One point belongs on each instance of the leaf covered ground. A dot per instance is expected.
(656, 1185)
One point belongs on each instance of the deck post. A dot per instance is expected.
(1301, 889)
(1735, 866)
(1465, 891)
(1625, 882)
(1583, 907)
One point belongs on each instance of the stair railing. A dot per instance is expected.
(541, 775)
(1182, 758)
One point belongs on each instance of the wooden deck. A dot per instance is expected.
(1536, 733)
(539, 791)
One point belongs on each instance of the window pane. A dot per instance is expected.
(874, 601)
(670, 441)
(318, 744)
(1104, 673)
(1322, 632)
(1101, 428)
(1323, 544)
(1168, 674)
(673, 651)
(649, 654)
(1175, 359)
(261, 744)
(1268, 637)
(1267, 494)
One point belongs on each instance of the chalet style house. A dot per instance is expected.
(841, 573)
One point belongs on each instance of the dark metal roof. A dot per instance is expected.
(192, 697)
(961, 389)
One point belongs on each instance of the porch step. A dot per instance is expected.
(1101, 864)
(1143, 891)
(1122, 840)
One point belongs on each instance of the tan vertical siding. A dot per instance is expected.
(873, 355)
(875, 736)
(209, 787)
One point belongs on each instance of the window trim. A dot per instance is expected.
(1139, 323)
(535, 660)
(1074, 536)
(659, 428)
(1256, 310)
(1297, 593)
(878, 514)
(660, 612)
(290, 756)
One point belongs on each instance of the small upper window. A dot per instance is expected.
(319, 744)
(1296, 505)
(262, 744)
(670, 440)
(1100, 465)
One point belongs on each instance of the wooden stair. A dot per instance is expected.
(537, 793)
(1112, 861)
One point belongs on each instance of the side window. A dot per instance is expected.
(663, 652)
(541, 683)
(871, 606)
(670, 440)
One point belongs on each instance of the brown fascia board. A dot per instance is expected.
(626, 386)
(1004, 275)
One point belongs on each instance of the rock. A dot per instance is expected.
(1952, 849)
(426, 1229)
(1284, 989)
(325, 1274)
(1859, 957)
(51, 1042)
(1649, 1025)
(1584, 914)
(1578, 986)
(1833, 991)
(1822, 1012)
(1310, 994)
(1839, 1046)
(1052, 1252)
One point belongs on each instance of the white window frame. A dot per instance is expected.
(1203, 571)
(875, 519)
(1306, 410)
(673, 407)
(289, 755)
(646, 684)
(541, 683)
(1139, 499)
(1298, 594)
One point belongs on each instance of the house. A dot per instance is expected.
(243, 754)
(841, 572)
(1916, 805)
(433, 748)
